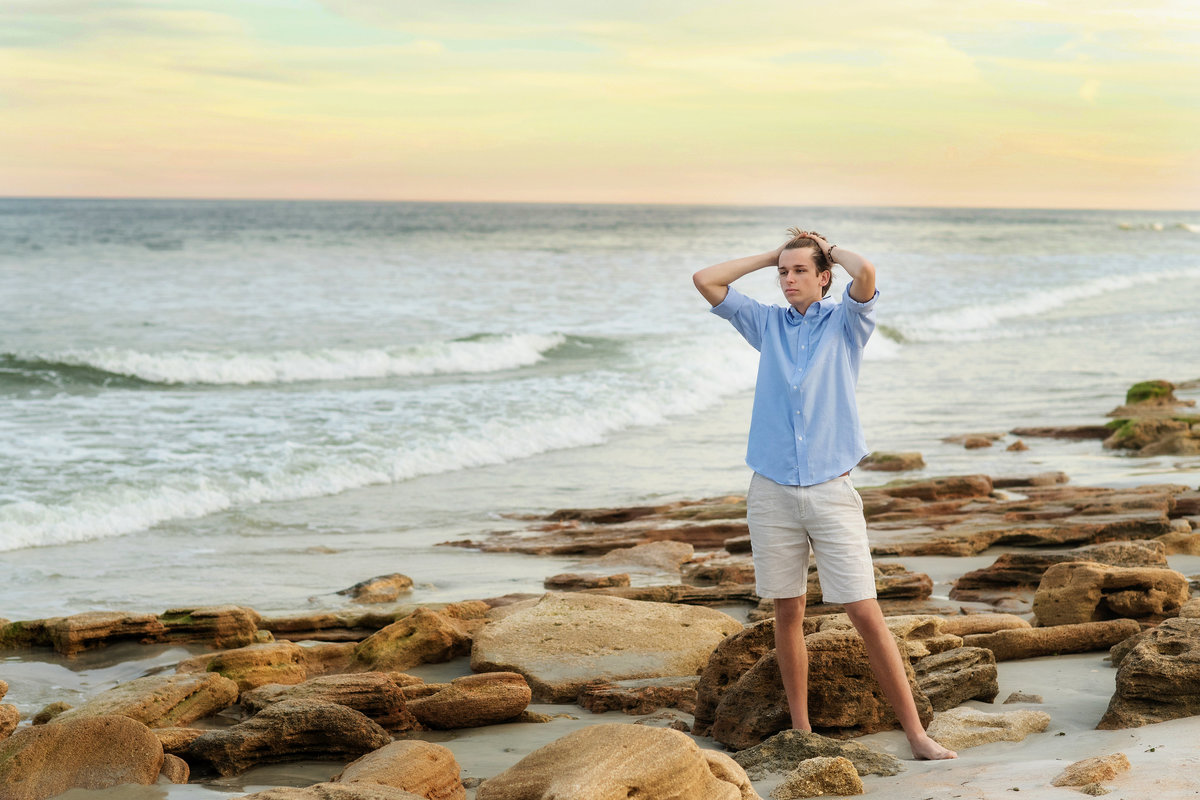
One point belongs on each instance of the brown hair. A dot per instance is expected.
(801, 239)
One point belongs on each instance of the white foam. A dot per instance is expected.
(486, 354)
(975, 319)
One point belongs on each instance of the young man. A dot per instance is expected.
(805, 438)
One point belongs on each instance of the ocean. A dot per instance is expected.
(261, 403)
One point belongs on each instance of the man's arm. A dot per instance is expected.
(713, 282)
(860, 270)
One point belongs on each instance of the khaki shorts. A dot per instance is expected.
(787, 522)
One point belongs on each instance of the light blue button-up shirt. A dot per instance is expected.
(805, 428)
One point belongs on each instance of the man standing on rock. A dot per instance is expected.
(805, 437)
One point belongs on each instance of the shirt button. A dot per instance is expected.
(797, 412)
(799, 438)
(802, 347)
(793, 387)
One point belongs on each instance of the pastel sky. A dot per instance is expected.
(1061, 103)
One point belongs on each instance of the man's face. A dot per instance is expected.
(799, 279)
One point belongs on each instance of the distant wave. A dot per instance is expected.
(490, 353)
(667, 382)
(1190, 227)
(973, 319)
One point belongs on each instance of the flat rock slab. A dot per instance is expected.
(160, 701)
(1016, 643)
(963, 727)
(335, 791)
(375, 694)
(562, 642)
(784, 751)
(473, 701)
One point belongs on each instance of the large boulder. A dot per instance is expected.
(10, 717)
(473, 701)
(291, 730)
(159, 701)
(1074, 592)
(219, 626)
(963, 727)
(375, 694)
(955, 676)
(422, 637)
(616, 762)
(427, 770)
(260, 664)
(843, 694)
(1158, 678)
(562, 642)
(79, 632)
(92, 753)
(732, 659)
(1017, 643)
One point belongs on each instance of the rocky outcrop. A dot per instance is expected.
(380, 589)
(93, 753)
(618, 760)
(822, 775)
(963, 727)
(562, 642)
(1093, 770)
(79, 632)
(892, 462)
(427, 770)
(159, 701)
(422, 637)
(218, 626)
(375, 694)
(1075, 592)
(843, 694)
(640, 696)
(572, 581)
(1158, 678)
(1017, 643)
(955, 676)
(291, 730)
(784, 751)
(260, 664)
(473, 701)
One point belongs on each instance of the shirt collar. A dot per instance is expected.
(815, 311)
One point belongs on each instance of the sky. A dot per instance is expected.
(991, 103)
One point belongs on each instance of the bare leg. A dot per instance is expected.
(888, 669)
(793, 657)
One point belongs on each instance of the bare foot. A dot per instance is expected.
(926, 749)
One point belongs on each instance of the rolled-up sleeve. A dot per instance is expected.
(859, 317)
(748, 316)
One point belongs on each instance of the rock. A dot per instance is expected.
(955, 676)
(1064, 432)
(176, 740)
(820, 776)
(785, 750)
(79, 632)
(1017, 447)
(967, 624)
(1158, 678)
(422, 637)
(1190, 609)
(892, 462)
(684, 594)
(843, 694)
(260, 664)
(291, 730)
(175, 769)
(1022, 697)
(335, 791)
(619, 761)
(1181, 543)
(159, 701)
(963, 727)
(1017, 643)
(1094, 790)
(93, 753)
(473, 701)
(380, 589)
(1093, 770)
(3, 689)
(427, 770)
(735, 569)
(976, 442)
(218, 626)
(640, 696)
(1152, 393)
(562, 642)
(326, 658)
(334, 626)
(374, 694)
(731, 659)
(667, 556)
(1074, 592)
(570, 581)
(50, 711)
(955, 487)
(1143, 433)
(10, 718)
